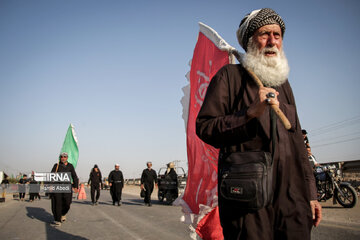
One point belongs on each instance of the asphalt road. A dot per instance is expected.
(338, 223)
(133, 220)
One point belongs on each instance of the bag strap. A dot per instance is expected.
(273, 119)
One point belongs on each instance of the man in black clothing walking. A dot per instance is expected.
(116, 182)
(34, 189)
(95, 180)
(22, 187)
(148, 177)
(60, 201)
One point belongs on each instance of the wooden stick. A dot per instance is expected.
(277, 110)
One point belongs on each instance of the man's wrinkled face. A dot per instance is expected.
(268, 39)
(149, 165)
(265, 56)
(117, 168)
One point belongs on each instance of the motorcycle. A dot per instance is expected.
(168, 187)
(329, 185)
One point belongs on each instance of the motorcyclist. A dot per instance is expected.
(172, 178)
(311, 157)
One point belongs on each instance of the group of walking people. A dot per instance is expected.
(116, 183)
(60, 201)
(34, 188)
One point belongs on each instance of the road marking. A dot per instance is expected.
(126, 230)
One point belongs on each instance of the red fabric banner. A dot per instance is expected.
(201, 189)
(209, 227)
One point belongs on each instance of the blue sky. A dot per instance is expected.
(115, 70)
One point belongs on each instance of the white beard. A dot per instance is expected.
(272, 71)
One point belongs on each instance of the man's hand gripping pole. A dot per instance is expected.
(276, 109)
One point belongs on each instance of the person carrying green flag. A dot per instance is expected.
(60, 201)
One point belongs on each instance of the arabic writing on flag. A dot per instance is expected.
(199, 200)
(70, 146)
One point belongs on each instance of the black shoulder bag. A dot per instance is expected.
(246, 178)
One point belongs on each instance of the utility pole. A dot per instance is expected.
(176, 162)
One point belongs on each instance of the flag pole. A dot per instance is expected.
(258, 82)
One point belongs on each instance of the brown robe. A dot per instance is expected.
(222, 123)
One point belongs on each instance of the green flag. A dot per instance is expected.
(70, 146)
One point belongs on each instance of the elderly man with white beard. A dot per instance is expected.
(235, 117)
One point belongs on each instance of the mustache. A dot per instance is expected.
(272, 49)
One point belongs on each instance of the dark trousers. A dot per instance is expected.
(93, 189)
(60, 204)
(34, 195)
(148, 191)
(21, 195)
(116, 191)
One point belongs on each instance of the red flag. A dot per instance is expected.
(209, 226)
(200, 197)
